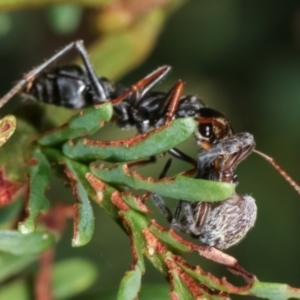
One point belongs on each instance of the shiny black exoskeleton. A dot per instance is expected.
(67, 86)
(70, 86)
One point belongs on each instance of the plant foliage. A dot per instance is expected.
(28, 161)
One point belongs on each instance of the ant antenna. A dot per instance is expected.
(287, 177)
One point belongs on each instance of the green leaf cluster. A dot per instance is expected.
(67, 153)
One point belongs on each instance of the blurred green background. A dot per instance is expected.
(243, 58)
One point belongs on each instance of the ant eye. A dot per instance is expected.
(205, 130)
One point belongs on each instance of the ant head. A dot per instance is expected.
(213, 127)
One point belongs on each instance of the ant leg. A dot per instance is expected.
(160, 203)
(158, 200)
(28, 78)
(183, 224)
(159, 76)
(167, 109)
(184, 157)
(144, 85)
(181, 205)
(97, 86)
(173, 99)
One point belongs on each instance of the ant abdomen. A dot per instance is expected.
(67, 86)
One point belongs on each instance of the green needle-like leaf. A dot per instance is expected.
(13, 242)
(135, 223)
(141, 146)
(179, 289)
(130, 284)
(179, 187)
(101, 193)
(84, 123)
(84, 216)
(37, 203)
(274, 291)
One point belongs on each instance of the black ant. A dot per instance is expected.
(74, 87)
